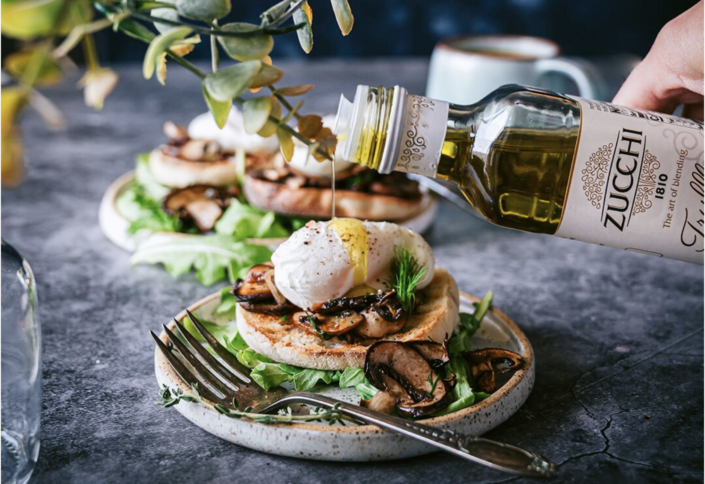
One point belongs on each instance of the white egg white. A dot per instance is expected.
(313, 266)
(233, 135)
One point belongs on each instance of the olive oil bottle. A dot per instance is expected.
(543, 162)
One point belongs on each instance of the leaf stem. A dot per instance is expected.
(216, 32)
(215, 58)
(284, 102)
(186, 64)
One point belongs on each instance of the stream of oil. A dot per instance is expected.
(332, 181)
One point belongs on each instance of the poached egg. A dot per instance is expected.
(233, 134)
(327, 260)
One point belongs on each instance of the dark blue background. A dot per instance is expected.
(412, 27)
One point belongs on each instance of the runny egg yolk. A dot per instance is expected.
(353, 235)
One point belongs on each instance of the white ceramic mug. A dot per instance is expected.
(465, 69)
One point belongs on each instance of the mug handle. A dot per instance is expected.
(583, 73)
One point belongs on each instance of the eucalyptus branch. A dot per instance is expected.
(79, 31)
(284, 102)
(217, 32)
(202, 75)
(174, 397)
(287, 14)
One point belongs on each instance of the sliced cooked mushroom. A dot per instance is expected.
(328, 325)
(383, 402)
(269, 307)
(486, 363)
(276, 293)
(254, 287)
(435, 353)
(390, 365)
(375, 326)
(200, 150)
(201, 204)
(347, 303)
(177, 133)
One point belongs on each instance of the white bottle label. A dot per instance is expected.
(637, 182)
(422, 134)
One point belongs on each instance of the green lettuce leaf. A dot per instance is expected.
(463, 394)
(469, 323)
(228, 303)
(212, 256)
(243, 221)
(351, 377)
(144, 178)
(143, 212)
(269, 375)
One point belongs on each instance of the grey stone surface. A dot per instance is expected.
(618, 336)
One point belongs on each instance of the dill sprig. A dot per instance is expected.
(407, 273)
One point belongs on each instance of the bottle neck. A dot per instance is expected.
(387, 129)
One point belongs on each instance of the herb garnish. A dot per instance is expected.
(173, 397)
(407, 273)
(433, 383)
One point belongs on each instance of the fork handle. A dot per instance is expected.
(497, 455)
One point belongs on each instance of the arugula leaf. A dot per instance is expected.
(212, 256)
(407, 273)
(469, 323)
(463, 395)
(242, 221)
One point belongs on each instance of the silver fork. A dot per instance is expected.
(220, 380)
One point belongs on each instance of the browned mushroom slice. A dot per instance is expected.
(177, 133)
(435, 353)
(488, 362)
(347, 303)
(201, 204)
(254, 287)
(375, 326)
(383, 402)
(328, 325)
(425, 391)
(269, 307)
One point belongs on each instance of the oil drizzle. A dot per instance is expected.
(332, 181)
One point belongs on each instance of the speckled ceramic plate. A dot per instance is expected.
(365, 442)
(114, 225)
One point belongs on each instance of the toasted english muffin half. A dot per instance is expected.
(436, 315)
(317, 202)
(175, 172)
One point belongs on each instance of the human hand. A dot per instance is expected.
(672, 72)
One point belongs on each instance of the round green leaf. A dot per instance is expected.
(255, 113)
(165, 13)
(228, 83)
(219, 109)
(343, 15)
(246, 48)
(270, 128)
(203, 9)
(285, 143)
(266, 76)
(305, 34)
(27, 20)
(158, 46)
(49, 72)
